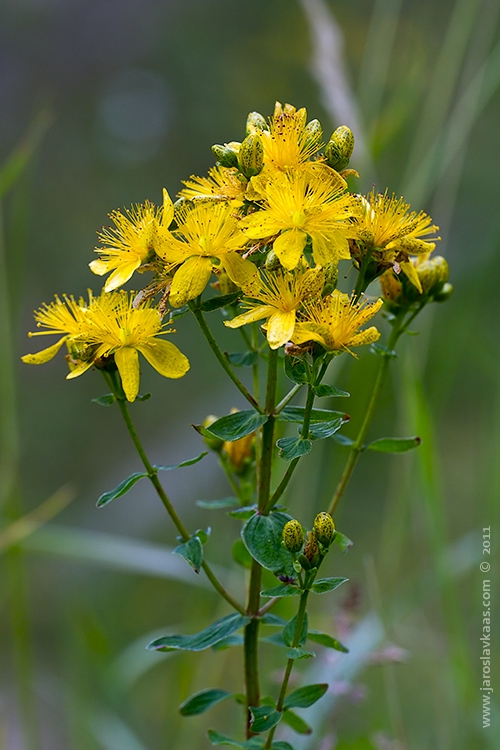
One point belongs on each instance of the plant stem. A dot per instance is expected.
(198, 314)
(111, 379)
(399, 327)
(252, 629)
(286, 400)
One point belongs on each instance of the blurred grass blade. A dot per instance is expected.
(23, 153)
(113, 734)
(32, 521)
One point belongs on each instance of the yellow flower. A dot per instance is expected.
(131, 241)
(207, 235)
(222, 184)
(297, 206)
(334, 323)
(287, 145)
(109, 326)
(282, 294)
(395, 232)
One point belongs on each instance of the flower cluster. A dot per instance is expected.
(272, 219)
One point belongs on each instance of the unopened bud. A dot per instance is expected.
(339, 148)
(226, 157)
(444, 294)
(214, 443)
(272, 261)
(331, 278)
(293, 536)
(226, 286)
(313, 132)
(255, 123)
(391, 286)
(324, 528)
(240, 452)
(311, 550)
(433, 274)
(251, 155)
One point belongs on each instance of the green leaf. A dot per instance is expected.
(296, 722)
(297, 370)
(343, 440)
(237, 425)
(324, 639)
(221, 739)
(343, 541)
(215, 303)
(293, 447)
(264, 718)
(281, 745)
(192, 551)
(289, 631)
(122, 488)
(144, 397)
(262, 536)
(323, 585)
(274, 620)
(224, 502)
(242, 359)
(296, 414)
(229, 642)
(305, 696)
(284, 589)
(178, 313)
(107, 400)
(330, 390)
(383, 351)
(202, 701)
(322, 430)
(300, 653)
(189, 462)
(204, 639)
(202, 534)
(246, 512)
(394, 445)
(241, 555)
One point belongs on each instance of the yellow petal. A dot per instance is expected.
(409, 269)
(412, 245)
(190, 280)
(280, 328)
(80, 369)
(330, 249)
(166, 358)
(365, 337)
(289, 247)
(308, 332)
(251, 316)
(45, 355)
(121, 275)
(99, 267)
(168, 209)
(260, 224)
(241, 271)
(127, 361)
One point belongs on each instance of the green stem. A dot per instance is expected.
(361, 283)
(284, 401)
(111, 379)
(399, 327)
(198, 314)
(252, 629)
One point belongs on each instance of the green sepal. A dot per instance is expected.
(224, 502)
(202, 701)
(323, 585)
(242, 359)
(289, 631)
(204, 639)
(262, 536)
(323, 390)
(297, 370)
(215, 303)
(284, 589)
(246, 512)
(192, 551)
(121, 489)
(305, 696)
(241, 555)
(143, 397)
(300, 653)
(107, 400)
(189, 462)
(293, 447)
(264, 718)
(296, 722)
(324, 639)
(234, 426)
(394, 445)
(343, 541)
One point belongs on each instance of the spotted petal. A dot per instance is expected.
(190, 280)
(251, 316)
(289, 247)
(127, 361)
(280, 328)
(45, 355)
(122, 274)
(166, 358)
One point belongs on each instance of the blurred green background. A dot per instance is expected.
(105, 102)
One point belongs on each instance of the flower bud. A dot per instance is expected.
(226, 286)
(331, 278)
(391, 286)
(311, 550)
(239, 452)
(272, 261)
(226, 157)
(293, 536)
(311, 283)
(433, 274)
(324, 528)
(444, 294)
(313, 132)
(255, 123)
(214, 443)
(251, 155)
(339, 148)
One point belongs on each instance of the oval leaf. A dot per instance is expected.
(300, 653)
(122, 488)
(192, 551)
(305, 696)
(215, 303)
(242, 359)
(343, 541)
(281, 745)
(296, 414)
(394, 445)
(202, 701)
(292, 447)
(264, 718)
(297, 370)
(262, 536)
(189, 462)
(284, 589)
(289, 631)
(329, 390)
(204, 639)
(237, 425)
(106, 400)
(324, 639)
(296, 722)
(216, 738)
(323, 585)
